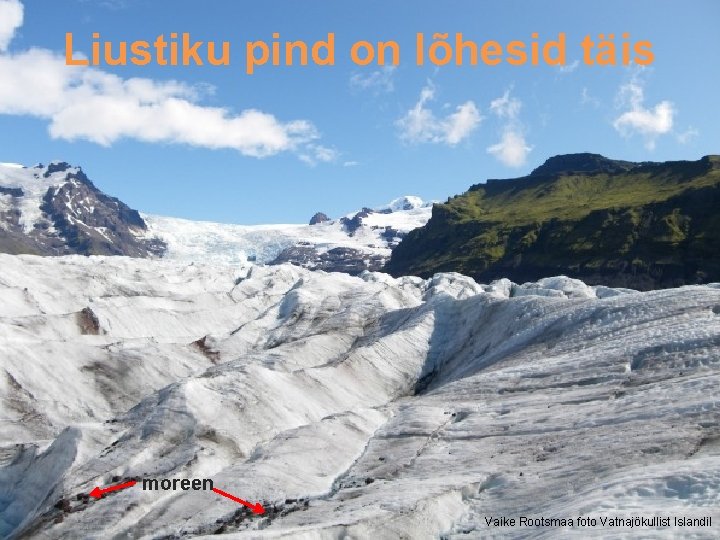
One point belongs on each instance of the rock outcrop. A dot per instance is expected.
(319, 217)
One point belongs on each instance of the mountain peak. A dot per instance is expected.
(57, 210)
(584, 162)
(407, 202)
(55, 167)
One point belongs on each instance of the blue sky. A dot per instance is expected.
(217, 144)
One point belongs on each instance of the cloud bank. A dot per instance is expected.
(421, 125)
(378, 81)
(85, 103)
(11, 18)
(648, 122)
(512, 149)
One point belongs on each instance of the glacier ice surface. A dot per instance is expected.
(350, 406)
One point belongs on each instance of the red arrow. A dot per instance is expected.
(257, 507)
(97, 492)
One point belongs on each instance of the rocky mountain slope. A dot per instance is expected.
(639, 225)
(363, 407)
(56, 210)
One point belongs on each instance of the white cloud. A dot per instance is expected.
(512, 149)
(688, 135)
(587, 99)
(648, 122)
(421, 125)
(378, 81)
(461, 123)
(85, 103)
(108, 4)
(350, 164)
(313, 154)
(11, 18)
(506, 106)
(569, 68)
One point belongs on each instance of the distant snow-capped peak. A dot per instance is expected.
(408, 202)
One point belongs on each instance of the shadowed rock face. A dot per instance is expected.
(354, 223)
(638, 225)
(319, 217)
(368, 255)
(69, 216)
(348, 260)
(340, 259)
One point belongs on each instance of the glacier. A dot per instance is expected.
(225, 243)
(351, 407)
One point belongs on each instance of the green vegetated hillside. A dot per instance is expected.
(623, 224)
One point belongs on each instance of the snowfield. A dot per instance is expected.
(351, 407)
(207, 242)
